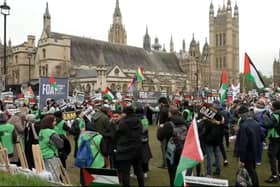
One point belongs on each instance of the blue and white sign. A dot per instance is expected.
(57, 91)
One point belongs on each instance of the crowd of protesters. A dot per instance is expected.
(119, 133)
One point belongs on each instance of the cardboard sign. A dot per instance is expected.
(69, 115)
(208, 111)
(204, 181)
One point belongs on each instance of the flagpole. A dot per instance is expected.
(244, 89)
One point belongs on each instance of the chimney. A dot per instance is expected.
(30, 41)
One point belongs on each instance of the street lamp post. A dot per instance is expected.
(5, 10)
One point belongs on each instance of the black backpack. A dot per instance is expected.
(176, 143)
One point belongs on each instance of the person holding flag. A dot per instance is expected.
(174, 131)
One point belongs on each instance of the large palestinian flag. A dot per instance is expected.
(251, 72)
(100, 177)
(191, 154)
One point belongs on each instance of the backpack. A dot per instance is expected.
(176, 142)
(84, 157)
(243, 178)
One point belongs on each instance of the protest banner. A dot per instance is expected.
(55, 89)
(150, 98)
(204, 181)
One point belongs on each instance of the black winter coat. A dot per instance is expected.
(214, 133)
(247, 140)
(166, 132)
(128, 138)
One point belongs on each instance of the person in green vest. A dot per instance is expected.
(50, 142)
(274, 143)
(8, 135)
(34, 110)
(98, 149)
(61, 128)
(77, 127)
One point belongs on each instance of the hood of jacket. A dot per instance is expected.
(177, 120)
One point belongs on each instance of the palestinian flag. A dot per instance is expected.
(251, 72)
(100, 177)
(139, 73)
(108, 94)
(52, 81)
(223, 87)
(191, 154)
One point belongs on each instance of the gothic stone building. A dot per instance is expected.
(92, 64)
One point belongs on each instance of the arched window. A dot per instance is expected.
(117, 72)
(224, 40)
(217, 40)
(16, 59)
(220, 39)
(40, 70)
(47, 70)
(225, 62)
(44, 53)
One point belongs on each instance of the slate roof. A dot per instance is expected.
(86, 51)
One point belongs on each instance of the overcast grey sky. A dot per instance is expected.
(259, 22)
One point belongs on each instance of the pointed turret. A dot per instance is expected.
(164, 50)
(117, 12)
(171, 45)
(47, 13)
(236, 12)
(228, 5)
(147, 41)
(117, 32)
(47, 19)
(184, 45)
(156, 46)
(9, 43)
(211, 11)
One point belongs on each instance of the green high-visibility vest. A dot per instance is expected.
(272, 133)
(81, 123)
(59, 128)
(145, 122)
(48, 150)
(99, 159)
(189, 115)
(6, 136)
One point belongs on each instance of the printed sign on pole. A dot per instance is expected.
(55, 88)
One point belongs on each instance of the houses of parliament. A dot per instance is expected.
(92, 64)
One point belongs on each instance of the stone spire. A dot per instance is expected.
(47, 13)
(236, 12)
(171, 45)
(147, 41)
(117, 32)
(117, 12)
(184, 45)
(47, 20)
(211, 11)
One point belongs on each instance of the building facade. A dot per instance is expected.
(92, 64)
(223, 43)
